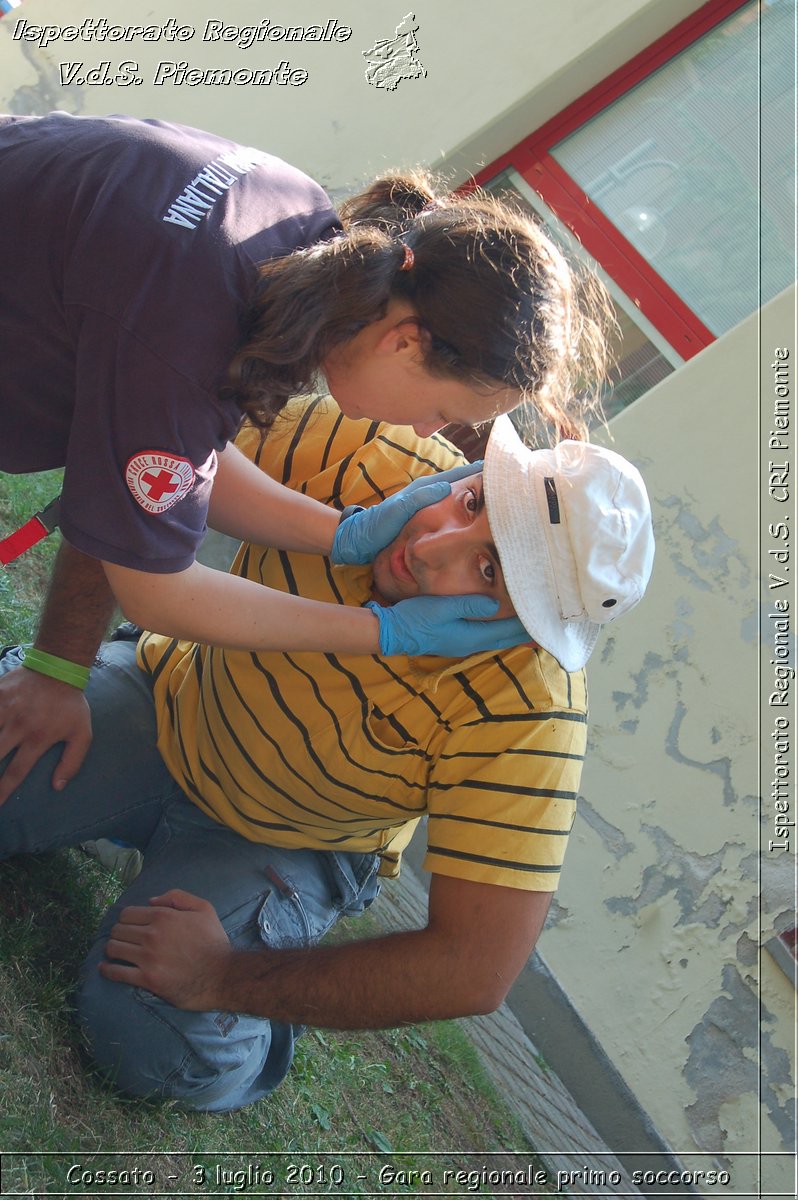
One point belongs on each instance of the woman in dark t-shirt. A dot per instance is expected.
(159, 284)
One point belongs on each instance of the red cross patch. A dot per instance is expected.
(158, 481)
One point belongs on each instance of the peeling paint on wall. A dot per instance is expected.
(699, 882)
(46, 94)
(730, 1033)
(722, 767)
(652, 664)
(612, 838)
(717, 560)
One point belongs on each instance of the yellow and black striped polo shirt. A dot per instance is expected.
(347, 752)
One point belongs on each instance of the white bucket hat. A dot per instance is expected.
(572, 526)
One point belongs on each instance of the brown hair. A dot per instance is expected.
(498, 302)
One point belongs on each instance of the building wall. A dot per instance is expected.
(655, 935)
(491, 72)
(657, 931)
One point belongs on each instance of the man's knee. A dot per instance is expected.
(151, 1050)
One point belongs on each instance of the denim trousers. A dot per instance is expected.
(212, 1061)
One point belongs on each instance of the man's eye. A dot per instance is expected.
(471, 500)
(487, 570)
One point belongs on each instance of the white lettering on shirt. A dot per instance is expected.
(199, 197)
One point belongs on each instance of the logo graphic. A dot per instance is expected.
(390, 60)
(158, 481)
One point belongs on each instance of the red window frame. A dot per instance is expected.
(531, 158)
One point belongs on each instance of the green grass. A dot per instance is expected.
(399, 1092)
(22, 582)
(363, 1100)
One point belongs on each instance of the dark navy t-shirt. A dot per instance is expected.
(128, 250)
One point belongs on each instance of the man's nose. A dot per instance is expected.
(436, 548)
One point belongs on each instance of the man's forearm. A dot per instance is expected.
(37, 711)
(462, 963)
(78, 608)
(399, 979)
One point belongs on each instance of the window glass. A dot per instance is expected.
(693, 166)
(641, 356)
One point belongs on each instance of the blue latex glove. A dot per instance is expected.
(454, 473)
(441, 625)
(362, 535)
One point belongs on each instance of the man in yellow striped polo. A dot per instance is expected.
(285, 785)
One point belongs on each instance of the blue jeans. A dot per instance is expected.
(211, 1061)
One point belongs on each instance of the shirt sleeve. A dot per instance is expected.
(502, 794)
(142, 452)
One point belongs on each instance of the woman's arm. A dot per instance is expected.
(216, 609)
(248, 504)
(207, 606)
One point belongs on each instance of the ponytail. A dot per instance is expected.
(390, 203)
(498, 302)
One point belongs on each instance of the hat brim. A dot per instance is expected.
(518, 513)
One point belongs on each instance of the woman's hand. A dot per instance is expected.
(362, 534)
(451, 626)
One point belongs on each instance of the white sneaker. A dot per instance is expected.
(125, 861)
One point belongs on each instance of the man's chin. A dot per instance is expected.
(386, 590)
(386, 597)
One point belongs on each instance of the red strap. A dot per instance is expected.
(29, 534)
(17, 543)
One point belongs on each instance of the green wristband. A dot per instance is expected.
(56, 668)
